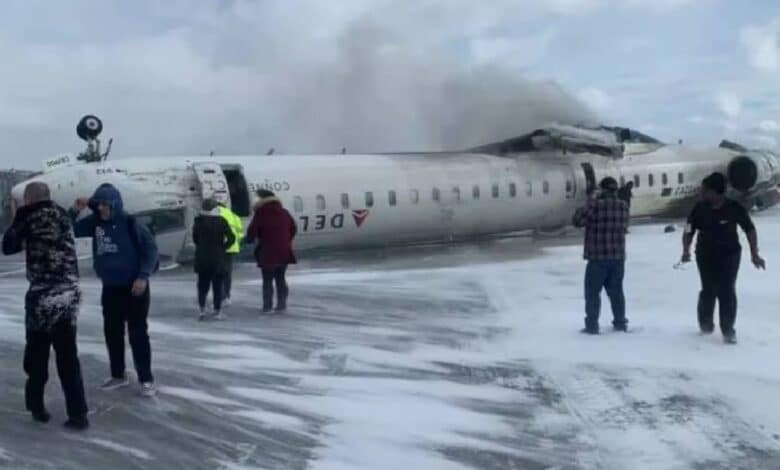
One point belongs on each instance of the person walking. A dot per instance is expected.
(718, 253)
(124, 256)
(43, 230)
(212, 237)
(605, 219)
(272, 229)
(234, 221)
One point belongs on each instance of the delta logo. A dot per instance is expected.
(360, 216)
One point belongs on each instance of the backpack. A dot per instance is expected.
(131, 221)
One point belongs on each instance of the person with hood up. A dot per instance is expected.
(272, 229)
(43, 230)
(124, 255)
(718, 252)
(605, 220)
(234, 221)
(212, 237)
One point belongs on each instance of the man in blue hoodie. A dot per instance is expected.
(124, 255)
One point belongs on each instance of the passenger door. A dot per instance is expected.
(213, 183)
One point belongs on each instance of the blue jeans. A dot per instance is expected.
(606, 274)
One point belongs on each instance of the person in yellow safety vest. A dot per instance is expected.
(236, 227)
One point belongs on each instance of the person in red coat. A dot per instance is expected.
(272, 229)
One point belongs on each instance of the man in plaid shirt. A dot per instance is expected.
(605, 220)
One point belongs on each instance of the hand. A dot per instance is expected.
(139, 287)
(80, 204)
(758, 261)
(686, 257)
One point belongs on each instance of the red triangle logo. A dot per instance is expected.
(360, 216)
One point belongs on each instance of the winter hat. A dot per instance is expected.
(609, 184)
(209, 205)
(715, 182)
(264, 193)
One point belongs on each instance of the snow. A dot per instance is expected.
(479, 364)
(122, 449)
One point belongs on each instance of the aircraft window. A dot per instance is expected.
(664, 179)
(475, 191)
(345, 201)
(391, 199)
(436, 194)
(680, 178)
(636, 181)
(298, 204)
(546, 187)
(369, 199)
(529, 189)
(414, 196)
(512, 190)
(650, 180)
(320, 202)
(456, 193)
(495, 191)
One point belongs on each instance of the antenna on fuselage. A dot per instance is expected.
(88, 130)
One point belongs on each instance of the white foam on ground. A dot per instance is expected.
(122, 449)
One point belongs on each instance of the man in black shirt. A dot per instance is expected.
(718, 253)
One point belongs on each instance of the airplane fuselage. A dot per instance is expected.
(375, 200)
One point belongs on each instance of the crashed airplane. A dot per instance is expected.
(534, 181)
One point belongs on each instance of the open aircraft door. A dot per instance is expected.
(213, 182)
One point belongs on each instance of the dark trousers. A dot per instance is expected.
(608, 275)
(36, 364)
(718, 281)
(271, 276)
(215, 281)
(227, 277)
(121, 307)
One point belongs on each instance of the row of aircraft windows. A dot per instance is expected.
(651, 180)
(414, 195)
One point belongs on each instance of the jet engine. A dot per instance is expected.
(753, 172)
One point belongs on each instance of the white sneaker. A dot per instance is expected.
(226, 302)
(114, 383)
(148, 389)
(219, 316)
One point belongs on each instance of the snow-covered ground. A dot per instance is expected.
(453, 357)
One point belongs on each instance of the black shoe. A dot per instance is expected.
(42, 416)
(589, 331)
(620, 327)
(281, 308)
(77, 424)
(267, 309)
(730, 338)
(706, 330)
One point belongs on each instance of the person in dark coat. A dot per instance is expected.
(718, 252)
(44, 231)
(272, 229)
(625, 193)
(212, 237)
(124, 255)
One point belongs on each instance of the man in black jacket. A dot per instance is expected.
(44, 231)
(718, 253)
(212, 237)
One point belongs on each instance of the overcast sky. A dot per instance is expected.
(190, 76)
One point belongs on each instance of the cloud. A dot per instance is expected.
(762, 45)
(769, 126)
(767, 141)
(516, 51)
(596, 99)
(729, 104)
